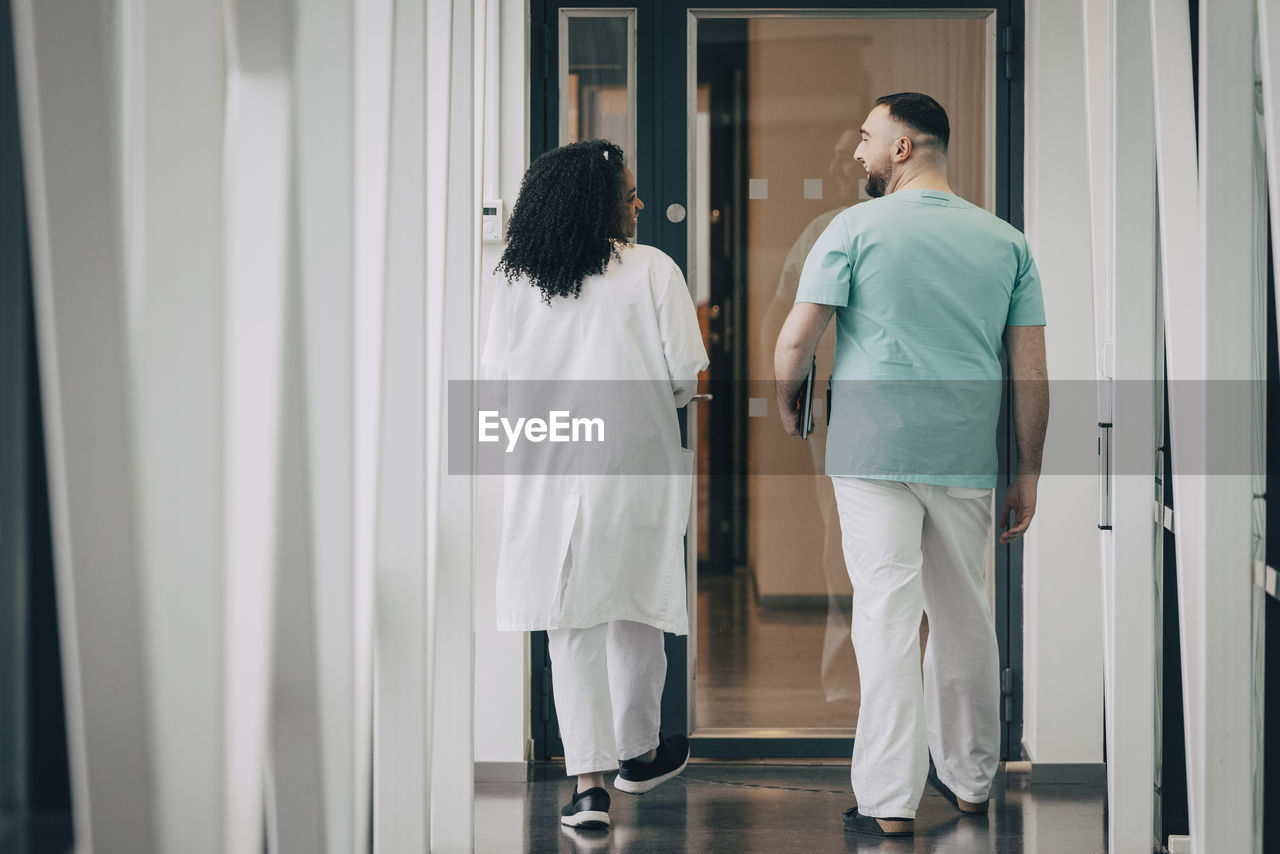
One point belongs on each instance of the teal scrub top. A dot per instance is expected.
(924, 284)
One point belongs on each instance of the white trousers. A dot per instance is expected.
(910, 548)
(608, 690)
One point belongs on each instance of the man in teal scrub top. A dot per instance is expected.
(926, 290)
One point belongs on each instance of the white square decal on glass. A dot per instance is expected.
(813, 188)
(757, 188)
(757, 407)
(862, 189)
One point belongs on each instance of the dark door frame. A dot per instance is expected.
(661, 126)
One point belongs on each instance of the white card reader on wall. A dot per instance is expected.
(491, 221)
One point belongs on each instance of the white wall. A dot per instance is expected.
(501, 658)
(1062, 680)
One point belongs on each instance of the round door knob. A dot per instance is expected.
(675, 213)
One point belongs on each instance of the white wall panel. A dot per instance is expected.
(1206, 245)
(1062, 683)
(423, 745)
(324, 163)
(172, 109)
(1097, 21)
(1129, 556)
(295, 776)
(1097, 68)
(1180, 251)
(502, 697)
(1220, 590)
(373, 54)
(457, 94)
(401, 814)
(257, 214)
(73, 186)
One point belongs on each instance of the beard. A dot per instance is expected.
(877, 182)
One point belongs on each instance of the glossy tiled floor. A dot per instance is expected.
(746, 808)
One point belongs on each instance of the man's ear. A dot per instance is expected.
(902, 148)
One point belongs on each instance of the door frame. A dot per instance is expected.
(661, 99)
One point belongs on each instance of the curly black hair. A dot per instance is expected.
(565, 224)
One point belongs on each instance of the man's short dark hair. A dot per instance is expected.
(920, 113)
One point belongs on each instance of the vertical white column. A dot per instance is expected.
(401, 809)
(373, 57)
(296, 780)
(1182, 298)
(452, 293)
(1129, 575)
(423, 750)
(318, 715)
(1062, 678)
(65, 70)
(257, 193)
(1098, 37)
(502, 696)
(1097, 96)
(172, 107)
(1220, 589)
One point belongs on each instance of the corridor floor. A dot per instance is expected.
(746, 808)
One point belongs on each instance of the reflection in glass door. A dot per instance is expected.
(774, 111)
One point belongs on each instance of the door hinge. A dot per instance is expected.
(1008, 51)
(1006, 693)
(546, 693)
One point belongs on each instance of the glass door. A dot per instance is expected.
(774, 104)
(746, 120)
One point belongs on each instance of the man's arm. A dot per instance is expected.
(1030, 418)
(797, 342)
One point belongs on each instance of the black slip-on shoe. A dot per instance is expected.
(856, 822)
(636, 777)
(588, 810)
(965, 807)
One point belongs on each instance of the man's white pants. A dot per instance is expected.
(608, 689)
(909, 548)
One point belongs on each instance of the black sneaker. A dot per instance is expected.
(589, 810)
(638, 777)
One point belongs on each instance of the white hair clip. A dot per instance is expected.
(606, 154)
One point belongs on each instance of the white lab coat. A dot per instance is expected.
(600, 537)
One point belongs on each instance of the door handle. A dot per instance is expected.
(702, 397)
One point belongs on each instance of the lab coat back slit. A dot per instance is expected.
(593, 531)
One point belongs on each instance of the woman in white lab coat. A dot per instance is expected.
(594, 331)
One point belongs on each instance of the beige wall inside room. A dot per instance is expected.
(808, 80)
